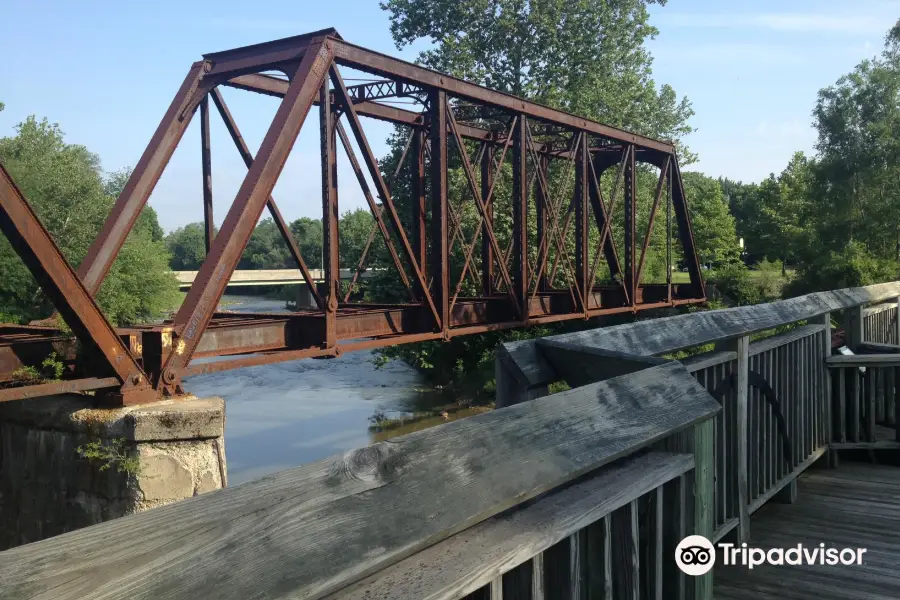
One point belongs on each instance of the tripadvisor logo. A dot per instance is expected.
(695, 555)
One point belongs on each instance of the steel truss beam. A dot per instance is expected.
(556, 163)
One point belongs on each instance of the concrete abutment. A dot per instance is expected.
(175, 450)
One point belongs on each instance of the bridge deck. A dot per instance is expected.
(855, 506)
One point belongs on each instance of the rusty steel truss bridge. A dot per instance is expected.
(534, 279)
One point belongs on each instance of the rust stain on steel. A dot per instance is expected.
(512, 291)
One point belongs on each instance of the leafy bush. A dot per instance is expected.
(114, 453)
(735, 281)
(853, 266)
(770, 279)
(468, 361)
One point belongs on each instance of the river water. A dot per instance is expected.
(287, 414)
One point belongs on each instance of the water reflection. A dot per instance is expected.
(287, 414)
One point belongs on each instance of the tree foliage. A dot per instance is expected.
(583, 56)
(858, 120)
(64, 184)
(713, 225)
(267, 249)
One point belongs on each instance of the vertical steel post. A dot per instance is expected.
(203, 298)
(669, 231)
(102, 253)
(419, 204)
(330, 214)
(206, 161)
(630, 198)
(582, 244)
(440, 259)
(685, 232)
(520, 215)
(541, 213)
(280, 223)
(487, 256)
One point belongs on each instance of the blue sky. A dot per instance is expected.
(106, 72)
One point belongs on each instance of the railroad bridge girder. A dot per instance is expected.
(550, 272)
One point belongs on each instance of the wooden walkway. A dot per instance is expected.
(854, 506)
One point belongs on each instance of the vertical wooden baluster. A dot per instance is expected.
(897, 403)
(676, 510)
(853, 413)
(657, 558)
(871, 390)
(808, 376)
(889, 395)
(577, 571)
(842, 403)
(722, 452)
(537, 577)
(626, 577)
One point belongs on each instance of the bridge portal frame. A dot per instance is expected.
(517, 286)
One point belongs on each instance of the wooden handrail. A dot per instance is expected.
(671, 334)
(863, 360)
(311, 531)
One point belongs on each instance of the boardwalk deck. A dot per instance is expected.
(855, 506)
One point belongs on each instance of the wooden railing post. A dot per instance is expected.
(827, 402)
(704, 515)
(853, 327)
(896, 339)
(740, 462)
(510, 383)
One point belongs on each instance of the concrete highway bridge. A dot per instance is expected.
(272, 277)
(264, 277)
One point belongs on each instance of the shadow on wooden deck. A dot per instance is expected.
(854, 506)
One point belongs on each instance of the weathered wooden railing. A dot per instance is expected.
(579, 494)
(779, 414)
(880, 323)
(865, 384)
(549, 499)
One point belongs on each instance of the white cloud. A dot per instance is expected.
(848, 24)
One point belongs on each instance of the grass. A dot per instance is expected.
(681, 277)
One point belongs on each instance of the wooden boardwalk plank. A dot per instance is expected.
(856, 506)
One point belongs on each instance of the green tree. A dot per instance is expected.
(851, 266)
(354, 231)
(187, 246)
(856, 192)
(581, 56)
(712, 223)
(63, 183)
(266, 249)
(309, 235)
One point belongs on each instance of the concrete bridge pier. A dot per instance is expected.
(305, 298)
(65, 464)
